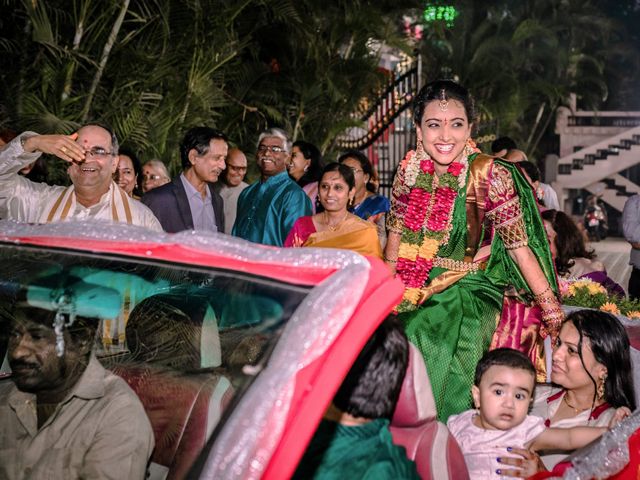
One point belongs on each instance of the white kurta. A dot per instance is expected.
(27, 201)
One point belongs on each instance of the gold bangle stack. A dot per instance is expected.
(552, 319)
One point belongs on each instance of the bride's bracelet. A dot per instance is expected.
(551, 321)
(544, 295)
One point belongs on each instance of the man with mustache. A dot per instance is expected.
(92, 154)
(189, 202)
(268, 209)
(62, 414)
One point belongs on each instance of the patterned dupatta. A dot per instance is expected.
(65, 205)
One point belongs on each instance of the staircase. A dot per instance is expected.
(385, 130)
(617, 190)
(598, 166)
(602, 160)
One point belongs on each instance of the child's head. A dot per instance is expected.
(503, 388)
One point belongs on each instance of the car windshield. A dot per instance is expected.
(188, 340)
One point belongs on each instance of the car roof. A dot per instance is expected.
(267, 432)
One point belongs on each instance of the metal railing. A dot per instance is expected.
(386, 130)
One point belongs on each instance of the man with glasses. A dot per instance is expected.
(268, 209)
(189, 201)
(92, 154)
(231, 185)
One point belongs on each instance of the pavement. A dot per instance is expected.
(614, 253)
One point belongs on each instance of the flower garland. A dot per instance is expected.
(589, 294)
(427, 220)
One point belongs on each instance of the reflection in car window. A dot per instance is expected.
(186, 339)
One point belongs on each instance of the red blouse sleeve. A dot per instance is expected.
(503, 208)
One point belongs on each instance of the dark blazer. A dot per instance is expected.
(170, 205)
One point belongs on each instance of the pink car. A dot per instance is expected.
(234, 349)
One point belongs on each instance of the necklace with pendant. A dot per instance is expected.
(335, 227)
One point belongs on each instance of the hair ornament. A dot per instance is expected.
(443, 103)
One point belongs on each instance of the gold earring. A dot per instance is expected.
(600, 392)
(420, 153)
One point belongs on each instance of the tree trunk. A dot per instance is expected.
(77, 38)
(105, 56)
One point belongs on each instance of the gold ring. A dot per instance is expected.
(64, 149)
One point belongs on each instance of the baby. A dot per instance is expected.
(502, 393)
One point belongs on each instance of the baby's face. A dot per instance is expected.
(503, 397)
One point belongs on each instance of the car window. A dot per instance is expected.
(188, 340)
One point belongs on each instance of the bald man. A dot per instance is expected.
(92, 157)
(231, 184)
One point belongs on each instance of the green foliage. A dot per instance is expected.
(523, 59)
(239, 66)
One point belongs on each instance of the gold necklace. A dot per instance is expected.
(577, 410)
(335, 227)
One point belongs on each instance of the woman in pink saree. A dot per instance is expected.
(335, 227)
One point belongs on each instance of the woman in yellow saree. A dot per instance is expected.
(335, 227)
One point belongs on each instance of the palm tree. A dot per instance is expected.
(523, 60)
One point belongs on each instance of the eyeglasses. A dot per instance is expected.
(356, 170)
(152, 176)
(98, 152)
(271, 148)
(236, 169)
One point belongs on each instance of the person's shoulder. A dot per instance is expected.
(364, 223)
(141, 208)
(391, 461)
(158, 193)
(6, 388)
(119, 394)
(544, 391)
(461, 421)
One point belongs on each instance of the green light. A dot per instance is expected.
(445, 13)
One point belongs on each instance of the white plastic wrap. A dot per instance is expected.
(250, 435)
(608, 456)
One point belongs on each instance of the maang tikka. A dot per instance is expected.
(443, 103)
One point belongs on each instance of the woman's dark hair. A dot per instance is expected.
(372, 386)
(365, 164)
(610, 347)
(443, 90)
(531, 169)
(569, 241)
(503, 357)
(310, 152)
(503, 143)
(345, 172)
(137, 168)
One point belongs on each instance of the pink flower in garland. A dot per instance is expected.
(427, 166)
(417, 209)
(414, 274)
(442, 206)
(455, 168)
